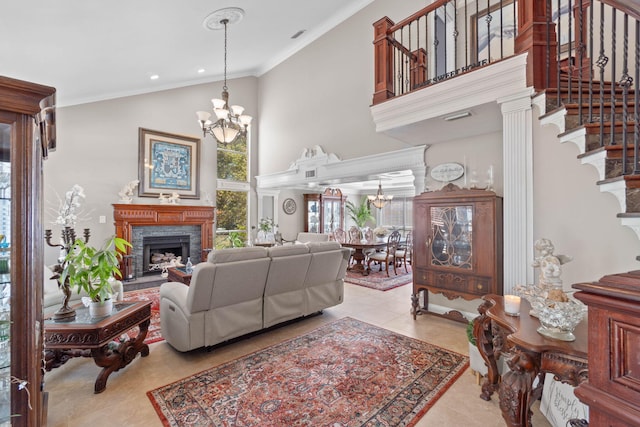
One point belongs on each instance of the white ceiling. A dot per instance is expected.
(91, 50)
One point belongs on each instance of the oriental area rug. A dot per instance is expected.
(379, 280)
(154, 334)
(345, 373)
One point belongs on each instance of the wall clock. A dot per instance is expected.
(289, 206)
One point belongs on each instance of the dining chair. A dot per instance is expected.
(354, 234)
(339, 235)
(404, 252)
(387, 256)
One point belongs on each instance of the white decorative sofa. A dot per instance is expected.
(242, 290)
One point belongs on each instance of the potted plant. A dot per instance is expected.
(92, 270)
(360, 214)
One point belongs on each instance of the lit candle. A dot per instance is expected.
(512, 305)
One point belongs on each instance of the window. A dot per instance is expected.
(232, 195)
(397, 214)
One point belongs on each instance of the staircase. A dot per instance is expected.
(590, 130)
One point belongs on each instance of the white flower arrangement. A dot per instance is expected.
(67, 215)
(380, 231)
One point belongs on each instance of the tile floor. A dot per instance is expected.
(124, 402)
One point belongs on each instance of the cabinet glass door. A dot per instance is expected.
(451, 231)
(331, 216)
(313, 216)
(5, 278)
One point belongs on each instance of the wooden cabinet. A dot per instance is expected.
(613, 389)
(27, 131)
(324, 212)
(457, 249)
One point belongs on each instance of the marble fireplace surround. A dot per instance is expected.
(128, 216)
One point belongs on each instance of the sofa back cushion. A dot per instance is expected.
(304, 237)
(236, 254)
(282, 251)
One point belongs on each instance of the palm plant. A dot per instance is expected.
(360, 214)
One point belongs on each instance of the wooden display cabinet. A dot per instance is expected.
(457, 248)
(324, 212)
(613, 389)
(27, 132)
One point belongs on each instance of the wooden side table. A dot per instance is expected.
(529, 356)
(179, 274)
(88, 337)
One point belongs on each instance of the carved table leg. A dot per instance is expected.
(516, 393)
(483, 333)
(112, 360)
(414, 304)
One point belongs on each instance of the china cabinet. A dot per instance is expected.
(27, 132)
(457, 246)
(324, 212)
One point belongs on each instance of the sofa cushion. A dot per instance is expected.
(236, 254)
(305, 237)
(280, 251)
(315, 247)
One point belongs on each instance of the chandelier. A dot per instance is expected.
(230, 123)
(379, 200)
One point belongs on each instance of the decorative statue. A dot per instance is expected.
(163, 199)
(127, 191)
(174, 199)
(549, 264)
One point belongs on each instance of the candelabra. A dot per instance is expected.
(68, 235)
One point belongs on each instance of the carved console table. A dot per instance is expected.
(529, 356)
(85, 336)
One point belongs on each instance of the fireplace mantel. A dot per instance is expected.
(127, 216)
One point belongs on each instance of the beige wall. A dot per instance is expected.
(98, 147)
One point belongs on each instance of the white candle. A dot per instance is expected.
(512, 305)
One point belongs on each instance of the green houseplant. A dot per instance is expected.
(360, 214)
(92, 270)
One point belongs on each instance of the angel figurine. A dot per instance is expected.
(549, 264)
(127, 191)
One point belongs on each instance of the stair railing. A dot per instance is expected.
(443, 40)
(597, 69)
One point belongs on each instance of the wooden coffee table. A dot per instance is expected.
(98, 338)
(179, 274)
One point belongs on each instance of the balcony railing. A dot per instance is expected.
(584, 54)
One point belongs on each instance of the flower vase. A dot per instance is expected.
(100, 308)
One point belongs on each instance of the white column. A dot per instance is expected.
(517, 157)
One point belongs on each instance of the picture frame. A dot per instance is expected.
(484, 42)
(168, 163)
(289, 206)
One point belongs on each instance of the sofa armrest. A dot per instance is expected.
(176, 293)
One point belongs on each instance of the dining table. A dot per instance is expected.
(359, 256)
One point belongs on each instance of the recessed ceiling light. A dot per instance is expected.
(201, 70)
(154, 77)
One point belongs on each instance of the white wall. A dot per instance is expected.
(570, 210)
(98, 147)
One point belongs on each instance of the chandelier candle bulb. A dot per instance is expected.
(512, 305)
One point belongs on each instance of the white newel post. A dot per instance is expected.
(517, 157)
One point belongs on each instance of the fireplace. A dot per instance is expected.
(159, 251)
(134, 222)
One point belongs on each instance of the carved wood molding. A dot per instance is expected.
(127, 216)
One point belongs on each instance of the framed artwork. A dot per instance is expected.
(495, 40)
(167, 164)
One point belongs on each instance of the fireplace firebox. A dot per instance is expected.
(159, 251)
